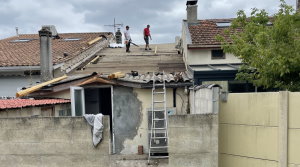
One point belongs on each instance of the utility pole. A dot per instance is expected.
(115, 25)
(298, 6)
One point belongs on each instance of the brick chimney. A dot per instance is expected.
(191, 10)
(46, 59)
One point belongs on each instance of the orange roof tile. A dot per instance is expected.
(206, 31)
(28, 53)
(19, 103)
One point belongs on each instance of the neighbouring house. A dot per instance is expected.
(61, 53)
(127, 99)
(203, 55)
(13, 108)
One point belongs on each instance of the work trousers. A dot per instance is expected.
(128, 46)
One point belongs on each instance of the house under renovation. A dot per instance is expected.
(127, 99)
(27, 59)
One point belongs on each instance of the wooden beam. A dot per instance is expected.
(39, 86)
(94, 40)
(116, 75)
(96, 80)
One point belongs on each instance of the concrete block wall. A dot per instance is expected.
(51, 141)
(193, 140)
(249, 130)
(260, 129)
(293, 139)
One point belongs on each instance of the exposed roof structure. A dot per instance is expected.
(166, 58)
(20, 103)
(24, 50)
(203, 34)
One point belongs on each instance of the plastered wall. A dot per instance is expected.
(51, 141)
(137, 129)
(193, 140)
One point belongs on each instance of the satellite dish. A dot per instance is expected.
(191, 2)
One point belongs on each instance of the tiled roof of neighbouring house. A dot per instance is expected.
(205, 32)
(25, 49)
(20, 103)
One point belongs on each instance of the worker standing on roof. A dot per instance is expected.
(146, 36)
(127, 38)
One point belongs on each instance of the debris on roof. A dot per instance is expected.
(159, 77)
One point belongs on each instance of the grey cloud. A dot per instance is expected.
(164, 16)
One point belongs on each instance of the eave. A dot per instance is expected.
(197, 46)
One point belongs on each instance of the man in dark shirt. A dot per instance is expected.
(147, 36)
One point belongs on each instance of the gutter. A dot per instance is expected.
(25, 68)
(197, 46)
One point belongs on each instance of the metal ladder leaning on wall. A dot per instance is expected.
(158, 143)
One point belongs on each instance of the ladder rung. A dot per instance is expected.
(157, 119)
(159, 92)
(160, 110)
(159, 137)
(159, 128)
(159, 157)
(160, 147)
(159, 101)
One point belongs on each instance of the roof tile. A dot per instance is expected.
(28, 53)
(206, 31)
(20, 103)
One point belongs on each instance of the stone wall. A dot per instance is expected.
(51, 141)
(193, 140)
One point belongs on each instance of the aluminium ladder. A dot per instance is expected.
(158, 143)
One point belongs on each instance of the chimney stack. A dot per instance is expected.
(191, 10)
(46, 63)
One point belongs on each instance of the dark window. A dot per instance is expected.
(217, 54)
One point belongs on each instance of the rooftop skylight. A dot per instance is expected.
(71, 39)
(21, 40)
(223, 24)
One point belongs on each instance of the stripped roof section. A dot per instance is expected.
(27, 53)
(20, 103)
(174, 77)
(206, 31)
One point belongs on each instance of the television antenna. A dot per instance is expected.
(115, 25)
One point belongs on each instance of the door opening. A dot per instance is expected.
(99, 100)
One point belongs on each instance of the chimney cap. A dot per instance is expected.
(191, 2)
(45, 32)
(51, 28)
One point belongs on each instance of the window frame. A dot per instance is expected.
(216, 58)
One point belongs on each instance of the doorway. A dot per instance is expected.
(98, 100)
(94, 100)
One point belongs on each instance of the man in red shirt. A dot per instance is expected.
(146, 37)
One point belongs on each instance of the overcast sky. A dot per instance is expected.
(164, 16)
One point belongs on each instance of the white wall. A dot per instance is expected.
(197, 56)
(10, 84)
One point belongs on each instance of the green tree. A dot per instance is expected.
(268, 47)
